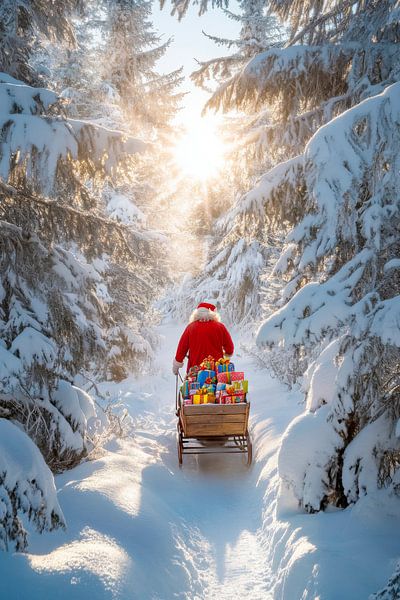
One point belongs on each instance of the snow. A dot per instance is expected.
(321, 375)
(122, 208)
(316, 308)
(17, 97)
(26, 484)
(139, 527)
(74, 404)
(386, 322)
(40, 142)
(31, 347)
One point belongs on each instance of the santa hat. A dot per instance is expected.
(207, 305)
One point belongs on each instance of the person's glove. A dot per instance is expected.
(176, 366)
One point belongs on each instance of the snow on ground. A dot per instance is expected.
(139, 527)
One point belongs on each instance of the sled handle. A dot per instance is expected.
(176, 390)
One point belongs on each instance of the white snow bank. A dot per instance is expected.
(75, 404)
(26, 486)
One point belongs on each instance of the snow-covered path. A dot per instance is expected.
(139, 527)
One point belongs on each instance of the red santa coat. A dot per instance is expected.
(204, 338)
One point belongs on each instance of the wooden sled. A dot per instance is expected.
(213, 428)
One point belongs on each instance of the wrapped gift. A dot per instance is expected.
(209, 399)
(220, 386)
(241, 385)
(231, 395)
(205, 374)
(224, 377)
(185, 389)
(226, 367)
(239, 396)
(237, 376)
(203, 398)
(208, 363)
(193, 371)
(188, 401)
(194, 385)
(211, 388)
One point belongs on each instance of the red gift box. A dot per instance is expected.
(224, 377)
(232, 397)
(237, 376)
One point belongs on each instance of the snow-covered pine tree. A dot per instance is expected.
(24, 24)
(111, 79)
(259, 31)
(53, 316)
(337, 199)
(344, 53)
(55, 313)
(148, 100)
(26, 487)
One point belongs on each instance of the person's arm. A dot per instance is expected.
(183, 346)
(181, 351)
(227, 342)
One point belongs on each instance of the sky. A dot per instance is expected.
(189, 44)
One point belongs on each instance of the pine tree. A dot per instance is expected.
(23, 26)
(61, 256)
(147, 99)
(334, 85)
(259, 31)
(125, 93)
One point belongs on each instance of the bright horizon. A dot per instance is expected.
(199, 152)
(189, 44)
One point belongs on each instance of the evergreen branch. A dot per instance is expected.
(62, 211)
(220, 41)
(317, 21)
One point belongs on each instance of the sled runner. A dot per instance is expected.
(211, 428)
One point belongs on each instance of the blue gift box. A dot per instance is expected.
(185, 389)
(203, 375)
(223, 369)
(194, 385)
(221, 386)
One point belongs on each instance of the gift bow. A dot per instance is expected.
(223, 361)
(207, 360)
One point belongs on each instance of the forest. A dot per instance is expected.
(289, 222)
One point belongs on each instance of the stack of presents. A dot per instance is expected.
(214, 382)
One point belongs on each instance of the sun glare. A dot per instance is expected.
(199, 153)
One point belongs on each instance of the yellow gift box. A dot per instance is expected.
(203, 398)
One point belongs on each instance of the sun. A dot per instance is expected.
(200, 152)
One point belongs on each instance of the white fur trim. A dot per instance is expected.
(204, 314)
(176, 366)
